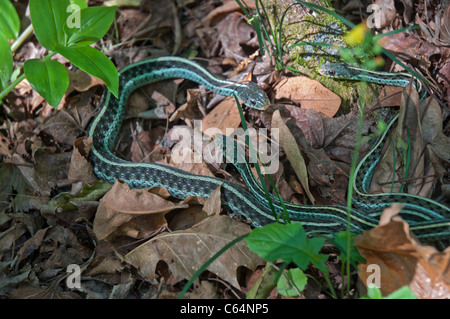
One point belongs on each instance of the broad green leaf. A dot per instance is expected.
(289, 243)
(48, 78)
(81, 3)
(93, 62)
(94, 23)
(6, 62)
(48, 18)
(9, 20)
(292, 282)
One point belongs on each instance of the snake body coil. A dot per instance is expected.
(425, 216)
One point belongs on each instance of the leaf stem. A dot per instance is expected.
(22, 37)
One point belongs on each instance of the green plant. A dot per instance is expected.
(404, 292)
(67, 27)
(289, 243)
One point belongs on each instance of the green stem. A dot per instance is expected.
(10, 87)
(22, 37)
(360, 125)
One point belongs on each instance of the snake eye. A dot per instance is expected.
(252, 101)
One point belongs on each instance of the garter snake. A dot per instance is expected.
(180, 184)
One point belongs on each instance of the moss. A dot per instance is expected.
(299, 26)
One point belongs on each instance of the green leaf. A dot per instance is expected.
(81, 3)
(48, 78)
(294, 277)
(48, 18)
(93, 62)
(289, 243)
(94, 23)
(340, 241)
(404, 292)
(6, 62)
(9, 20)
(373, 292)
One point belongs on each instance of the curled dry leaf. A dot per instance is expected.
(135, 213)
(402, 260)
(309, 93)
(185, 251)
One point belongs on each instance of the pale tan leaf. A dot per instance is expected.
(224, 117)
(186, 251)
(289, 145)
(309, 93)
(214, 202)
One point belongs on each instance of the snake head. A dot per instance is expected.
(252, 95)
(337, 70)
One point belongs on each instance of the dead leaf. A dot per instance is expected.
(328, 136)
(51, 292)
(309, 93)
(191, 110)
(186, 251)
(410, 45)
(135, 213)
(52, 248)
(213, 204)
(224, 117)
(403, 260)
(102, 265)
(81, 81)
(187, 218)
(220, 12)
(233, 32)
(80, 169)
(290, 147)
(386, 13)
(146, 146)
(389, 96)
(408, 124)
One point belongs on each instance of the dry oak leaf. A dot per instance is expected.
(309, 93)
(185, 251)
(402, 259)
(136, 213)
